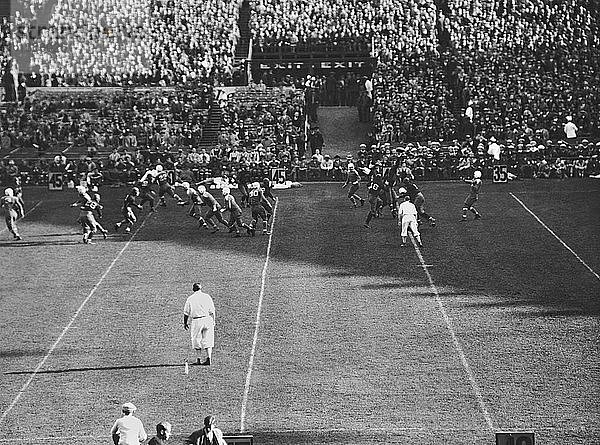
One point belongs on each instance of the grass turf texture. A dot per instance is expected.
(352, 347)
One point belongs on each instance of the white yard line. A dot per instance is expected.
(12, 151)
(26, 213)
(66, 329)
(257, 323)
(457, 346)
(556, 236)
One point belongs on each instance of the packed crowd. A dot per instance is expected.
(325, 24)
(525, 67)
(100, 120)
(119, 43)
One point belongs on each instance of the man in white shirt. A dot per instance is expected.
(199, 314)
(469, 111)
(128, 430)
(369, 88)
(570, 129)
(494, 149)
(407, 219)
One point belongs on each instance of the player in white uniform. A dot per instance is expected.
(13, 210)
(407, 219)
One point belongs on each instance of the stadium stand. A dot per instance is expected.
(451, 76)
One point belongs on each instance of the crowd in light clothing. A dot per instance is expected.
(128, 42)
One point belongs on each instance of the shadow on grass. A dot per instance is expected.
(11, 353)
(99, 368)
(319, 238)
(40, 243)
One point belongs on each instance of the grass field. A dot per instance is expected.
(326, 332)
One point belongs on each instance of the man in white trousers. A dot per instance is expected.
(199, 314)
(407, 219)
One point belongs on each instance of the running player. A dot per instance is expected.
(267, 189)
(86, 216)
(129, 203)
(256, 200)
(354, 179)
(147, 195)
(374, 193)
(473, 195)
(417, 198)
(214, 209)
(13, 210)
(164, 187)
(195, 202)
(235, 213)
(95, 195)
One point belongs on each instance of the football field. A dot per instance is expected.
(327, 332)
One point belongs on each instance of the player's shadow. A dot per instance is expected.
(97, 368)
(39, 243)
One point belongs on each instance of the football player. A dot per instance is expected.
(13, 210)
(129, 203)
(417, 198)
(147, 195)
(353, 178)
(95, 195)
(195, 202)
(214, 209)
(164, 187)
(86, 216)
(473, 195)
(267, 189)
(374, 193)
(256, 200)
(235, 213)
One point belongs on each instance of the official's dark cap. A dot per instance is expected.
(196, 287)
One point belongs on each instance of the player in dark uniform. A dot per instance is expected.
(86, 216)
(417, 198)
(13, 210)
(374, 193)
(256, 200)
(353, 178)
(214, 209)
(243, 180)
(268, 189)
(129, 203)
(390, 179)
(164, 187)
(473, 195)
(147, 195)
(235, 213)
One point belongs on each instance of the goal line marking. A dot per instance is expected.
(556, 236)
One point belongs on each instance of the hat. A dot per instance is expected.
(128, 407)
(493, 139)
(363, 145)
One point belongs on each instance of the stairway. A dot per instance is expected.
(241, 51)
(210, 134)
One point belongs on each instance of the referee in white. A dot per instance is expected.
(199, 314)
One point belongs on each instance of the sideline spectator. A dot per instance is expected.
(128, 430)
